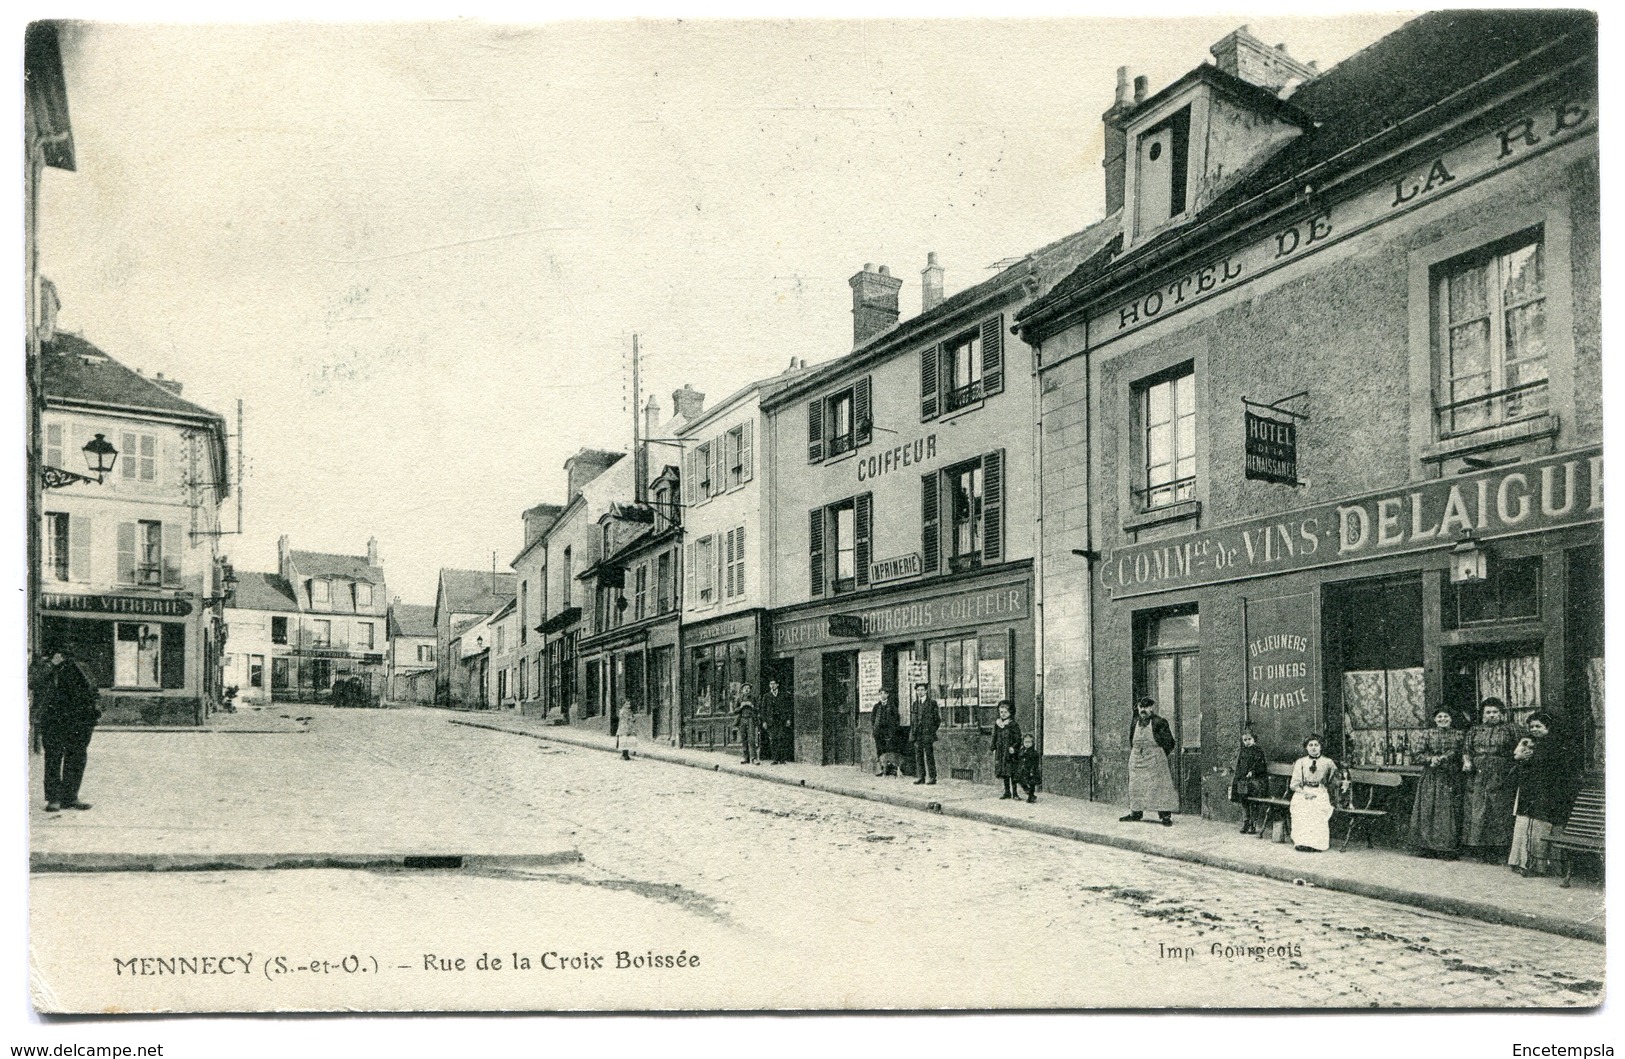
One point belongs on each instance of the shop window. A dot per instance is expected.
(1166, 406)
(57, 545)
(137, 656)
(279, 674)
(953, 673)
(256, 671)
(1511, 592)
(1491, 335)
(1162, 170)
(279, 630)
(1169, 669)
(1373, 631)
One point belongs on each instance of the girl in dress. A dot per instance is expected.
(1486, 827)
(1545, 773)
(1006, 748)
(1436, 814)
(1311, 786)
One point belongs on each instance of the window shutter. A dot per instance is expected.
(78, 548)
(745, 452)
(131, 457)
(172, 660)
(815, 543)
(993, 507)
(717, 571)
(719, 470)
(739, 560)
(993, 354)
(862, 412)
(928, 382)
(126, 553)
(690, 478)
(930, 536)
(815, 431)
(728, 564)
(862, 511)
(688, 573)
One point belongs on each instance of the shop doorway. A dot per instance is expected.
(1170, 671)
(840, 708)
(1376, 690)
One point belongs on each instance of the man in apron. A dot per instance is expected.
(1150, 782)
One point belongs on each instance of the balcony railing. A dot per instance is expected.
(1162, 494)
(968, 394)
(1490, 410)
(841, 443)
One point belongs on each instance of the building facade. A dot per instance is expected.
(902, 506)
(463, 599)
(412, 646)
(261, 617)
(340, 636)
(530, 576)
(130, 575)
(1331, 405)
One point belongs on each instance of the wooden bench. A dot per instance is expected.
(1584, 831)
(1369, 782)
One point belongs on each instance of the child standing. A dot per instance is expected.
(1006, 749)
(1252, 779)
(626, 739)
(1029, 768)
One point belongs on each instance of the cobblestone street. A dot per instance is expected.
(801, 898)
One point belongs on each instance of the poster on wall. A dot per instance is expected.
(990, 681)
(1282, 645)
(869, 682)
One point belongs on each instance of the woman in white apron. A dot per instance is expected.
(1312, 777)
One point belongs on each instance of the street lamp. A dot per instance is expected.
(100, 456)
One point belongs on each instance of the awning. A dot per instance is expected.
(565, 617)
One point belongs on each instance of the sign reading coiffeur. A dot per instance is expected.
(1547, 493)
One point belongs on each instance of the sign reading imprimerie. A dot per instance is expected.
(1548, 493)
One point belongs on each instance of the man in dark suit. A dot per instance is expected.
(924, 720)
(64, 712)
(776, 709)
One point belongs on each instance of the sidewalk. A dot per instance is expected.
(1481, 891)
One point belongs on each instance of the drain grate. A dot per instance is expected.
(432, 862)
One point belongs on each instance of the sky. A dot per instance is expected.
(418, 252)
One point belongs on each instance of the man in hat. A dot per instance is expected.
(64, 715)
(924, 720)
(777, 710)
(1150, 781)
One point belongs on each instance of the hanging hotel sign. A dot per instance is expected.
(1548, 493)
(1564, 118)
(894, 569)
(1271, 449)
(142, 606)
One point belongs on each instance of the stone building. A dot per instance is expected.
(1321, 427)
(341, 631)
(412, 646)
(463, 599)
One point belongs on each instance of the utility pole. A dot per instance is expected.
(640, 458)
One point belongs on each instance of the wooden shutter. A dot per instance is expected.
(128, 447)
(993, 507)
(993, 354)
(691, 479)
(815, 547)
(815, 431)
(688, 572)
(739, 561)
(172, 553)
(719, 469)
(728, 564)
(78, 548)
(717, 569)
(172, 660)
(862, 512)
(745, 452)
(126, 553)
(929, 358)
(862, 412)
(930, 531)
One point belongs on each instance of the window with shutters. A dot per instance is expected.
(365, 639)
(703, 461)
(58, 545)
(137, 655)
(737, 453)
(53, 445)
(733, 582)
(149, 558)
(640, 592)
(965, 513)
(963, 370)
(321, 633)
(845, 545)
(663, 583)
(842, 436)
(140, 456)
(841, 421)
(962, 515)
(705, 570)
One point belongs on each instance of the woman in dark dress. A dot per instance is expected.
(1436, 814)
(1252, 779)
(1486, 826)
(1547, 777)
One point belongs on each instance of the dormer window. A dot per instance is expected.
(363, 594)
(1163, 163)
(318, 591)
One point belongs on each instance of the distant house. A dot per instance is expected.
(342, 627)
(412, 652)
(260, 620)
(463, 599)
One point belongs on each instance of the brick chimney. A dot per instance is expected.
(651, 417)
(586, 465)
(372, 551)
(1245, 56)
(1115, 120)
(172, 385)
(688, 402)
(930, 283)
(539, 519)
(49, 305)
(874, 302)
(284, 562)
